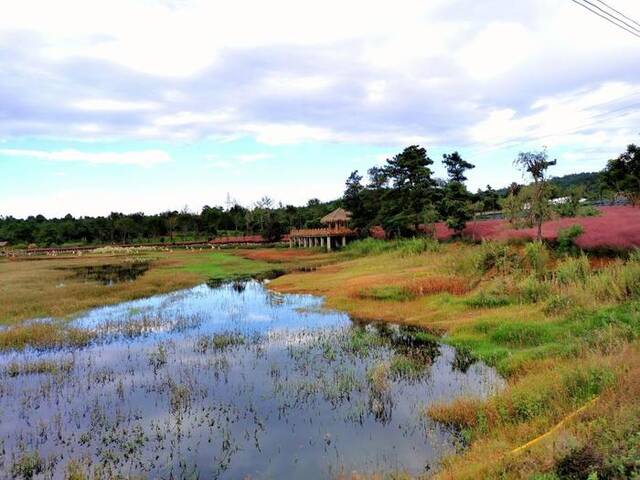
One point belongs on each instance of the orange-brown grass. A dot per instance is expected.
(432, 285)
(279, 254)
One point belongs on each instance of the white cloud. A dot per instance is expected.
(111, 105)
(494, 51)
(141, 158)
(566, 118)
(285, 133)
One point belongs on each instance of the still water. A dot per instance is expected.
(232, 382)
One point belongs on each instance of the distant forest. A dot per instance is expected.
(390, 200)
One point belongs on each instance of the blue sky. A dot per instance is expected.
(141, 105)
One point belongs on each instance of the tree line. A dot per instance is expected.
(403, 196)
(262, 218)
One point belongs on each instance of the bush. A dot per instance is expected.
(586, 383)
(572, 270)
(536, 256)
(533, 290)
(416, 246)
(567, 237)
(558, 304)
(588, 211)
(487, 300)
(617, 282)
(521, 334)
(490, 255)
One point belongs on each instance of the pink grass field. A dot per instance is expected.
(616, 228)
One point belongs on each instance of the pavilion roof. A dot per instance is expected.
(338, 215)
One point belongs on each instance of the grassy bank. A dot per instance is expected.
(562, 329)
(35, 287)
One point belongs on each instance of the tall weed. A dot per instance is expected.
(536, 256)
(572, 270)
(617, 282)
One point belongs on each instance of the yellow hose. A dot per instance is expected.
(554, 429)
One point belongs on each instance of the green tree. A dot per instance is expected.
(456, 167)
(622, 174)
(411, 190)
(489, 199)
(536, 164)
(456, 202)
(353, 201)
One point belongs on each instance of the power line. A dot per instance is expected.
(632, 32)
(609, 14)
(618, 12)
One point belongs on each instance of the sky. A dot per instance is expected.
(141, 105)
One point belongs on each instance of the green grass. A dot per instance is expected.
(224, 266)
(404, 247)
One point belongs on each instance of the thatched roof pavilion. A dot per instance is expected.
(335, 233)
(338, 218)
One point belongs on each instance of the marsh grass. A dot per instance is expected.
(42, 336)
(15, 369)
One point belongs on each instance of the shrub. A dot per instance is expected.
(533, 290)
(580, 463)
(487, 300)
(617, 282)
(536, 256)
(368, 246)
(588, 211)
(558, 304)
(417, 246)
(521, 334)
(572, 270)
(586, 383)
(567, 237)
(490, 255)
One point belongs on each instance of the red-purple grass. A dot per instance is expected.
(616, 227)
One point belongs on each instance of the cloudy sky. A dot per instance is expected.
(142, 105)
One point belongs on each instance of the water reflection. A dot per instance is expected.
(232, 382)
(109, 274)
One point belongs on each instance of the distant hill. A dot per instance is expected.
(589, 180)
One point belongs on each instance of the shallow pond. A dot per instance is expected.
(232, 382)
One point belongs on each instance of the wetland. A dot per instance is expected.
(232, 381)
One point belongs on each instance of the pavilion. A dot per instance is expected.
(334, 234)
